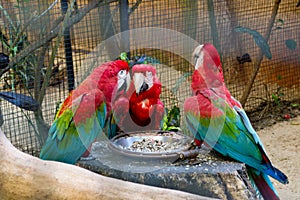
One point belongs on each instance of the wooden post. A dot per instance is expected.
(26, 177)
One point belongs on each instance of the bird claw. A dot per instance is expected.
(89, 158)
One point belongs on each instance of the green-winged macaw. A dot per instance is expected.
(142, 108)
(219, 121)
(84, 113)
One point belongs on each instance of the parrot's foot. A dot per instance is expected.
(90, 157)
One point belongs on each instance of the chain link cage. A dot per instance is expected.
(52, 45)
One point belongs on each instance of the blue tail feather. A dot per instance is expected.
(277, 174)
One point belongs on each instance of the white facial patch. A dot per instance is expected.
(122, 74)
(149, 79)
(198, 56)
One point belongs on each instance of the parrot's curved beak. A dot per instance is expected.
(138, 81)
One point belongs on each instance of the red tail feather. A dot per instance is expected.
(263, 186)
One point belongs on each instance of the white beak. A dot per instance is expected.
(138, 80)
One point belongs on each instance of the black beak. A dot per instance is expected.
(144, 87)
(123, 87)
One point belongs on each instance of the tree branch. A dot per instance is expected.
(260, 56)
(80, 13)
(134, 7)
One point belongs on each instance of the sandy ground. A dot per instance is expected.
(282, 143)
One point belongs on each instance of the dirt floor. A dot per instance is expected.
(282, 143)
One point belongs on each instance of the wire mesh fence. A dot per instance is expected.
(32, 35)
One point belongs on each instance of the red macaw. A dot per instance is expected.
(142, 109)
(218, 120)
(214, 61)
(84, 112)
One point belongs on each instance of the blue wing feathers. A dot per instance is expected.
(270, 169)
(247, 124)
(67, 142)
(238, 140)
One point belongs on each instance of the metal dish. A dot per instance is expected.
(175, 143)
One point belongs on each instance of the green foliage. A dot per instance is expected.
(258, 38)
(22, 73)
(27, 71)
(277, 96)
(294, 105)
(123, 56)
(171, 121)
(276, 99)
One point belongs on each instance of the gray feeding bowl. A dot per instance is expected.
(163, 145)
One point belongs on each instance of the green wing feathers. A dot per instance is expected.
(74, 130)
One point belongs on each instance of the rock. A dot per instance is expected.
(208, 175)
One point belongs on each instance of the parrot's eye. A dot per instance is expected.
(195, 58)
(149, 79)
(122, 74)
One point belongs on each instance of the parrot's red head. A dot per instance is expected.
(142, 68)
(113, 74)
(147, 89)
(144, 77)
(112, 78)
(208, 64)
(123, 74)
